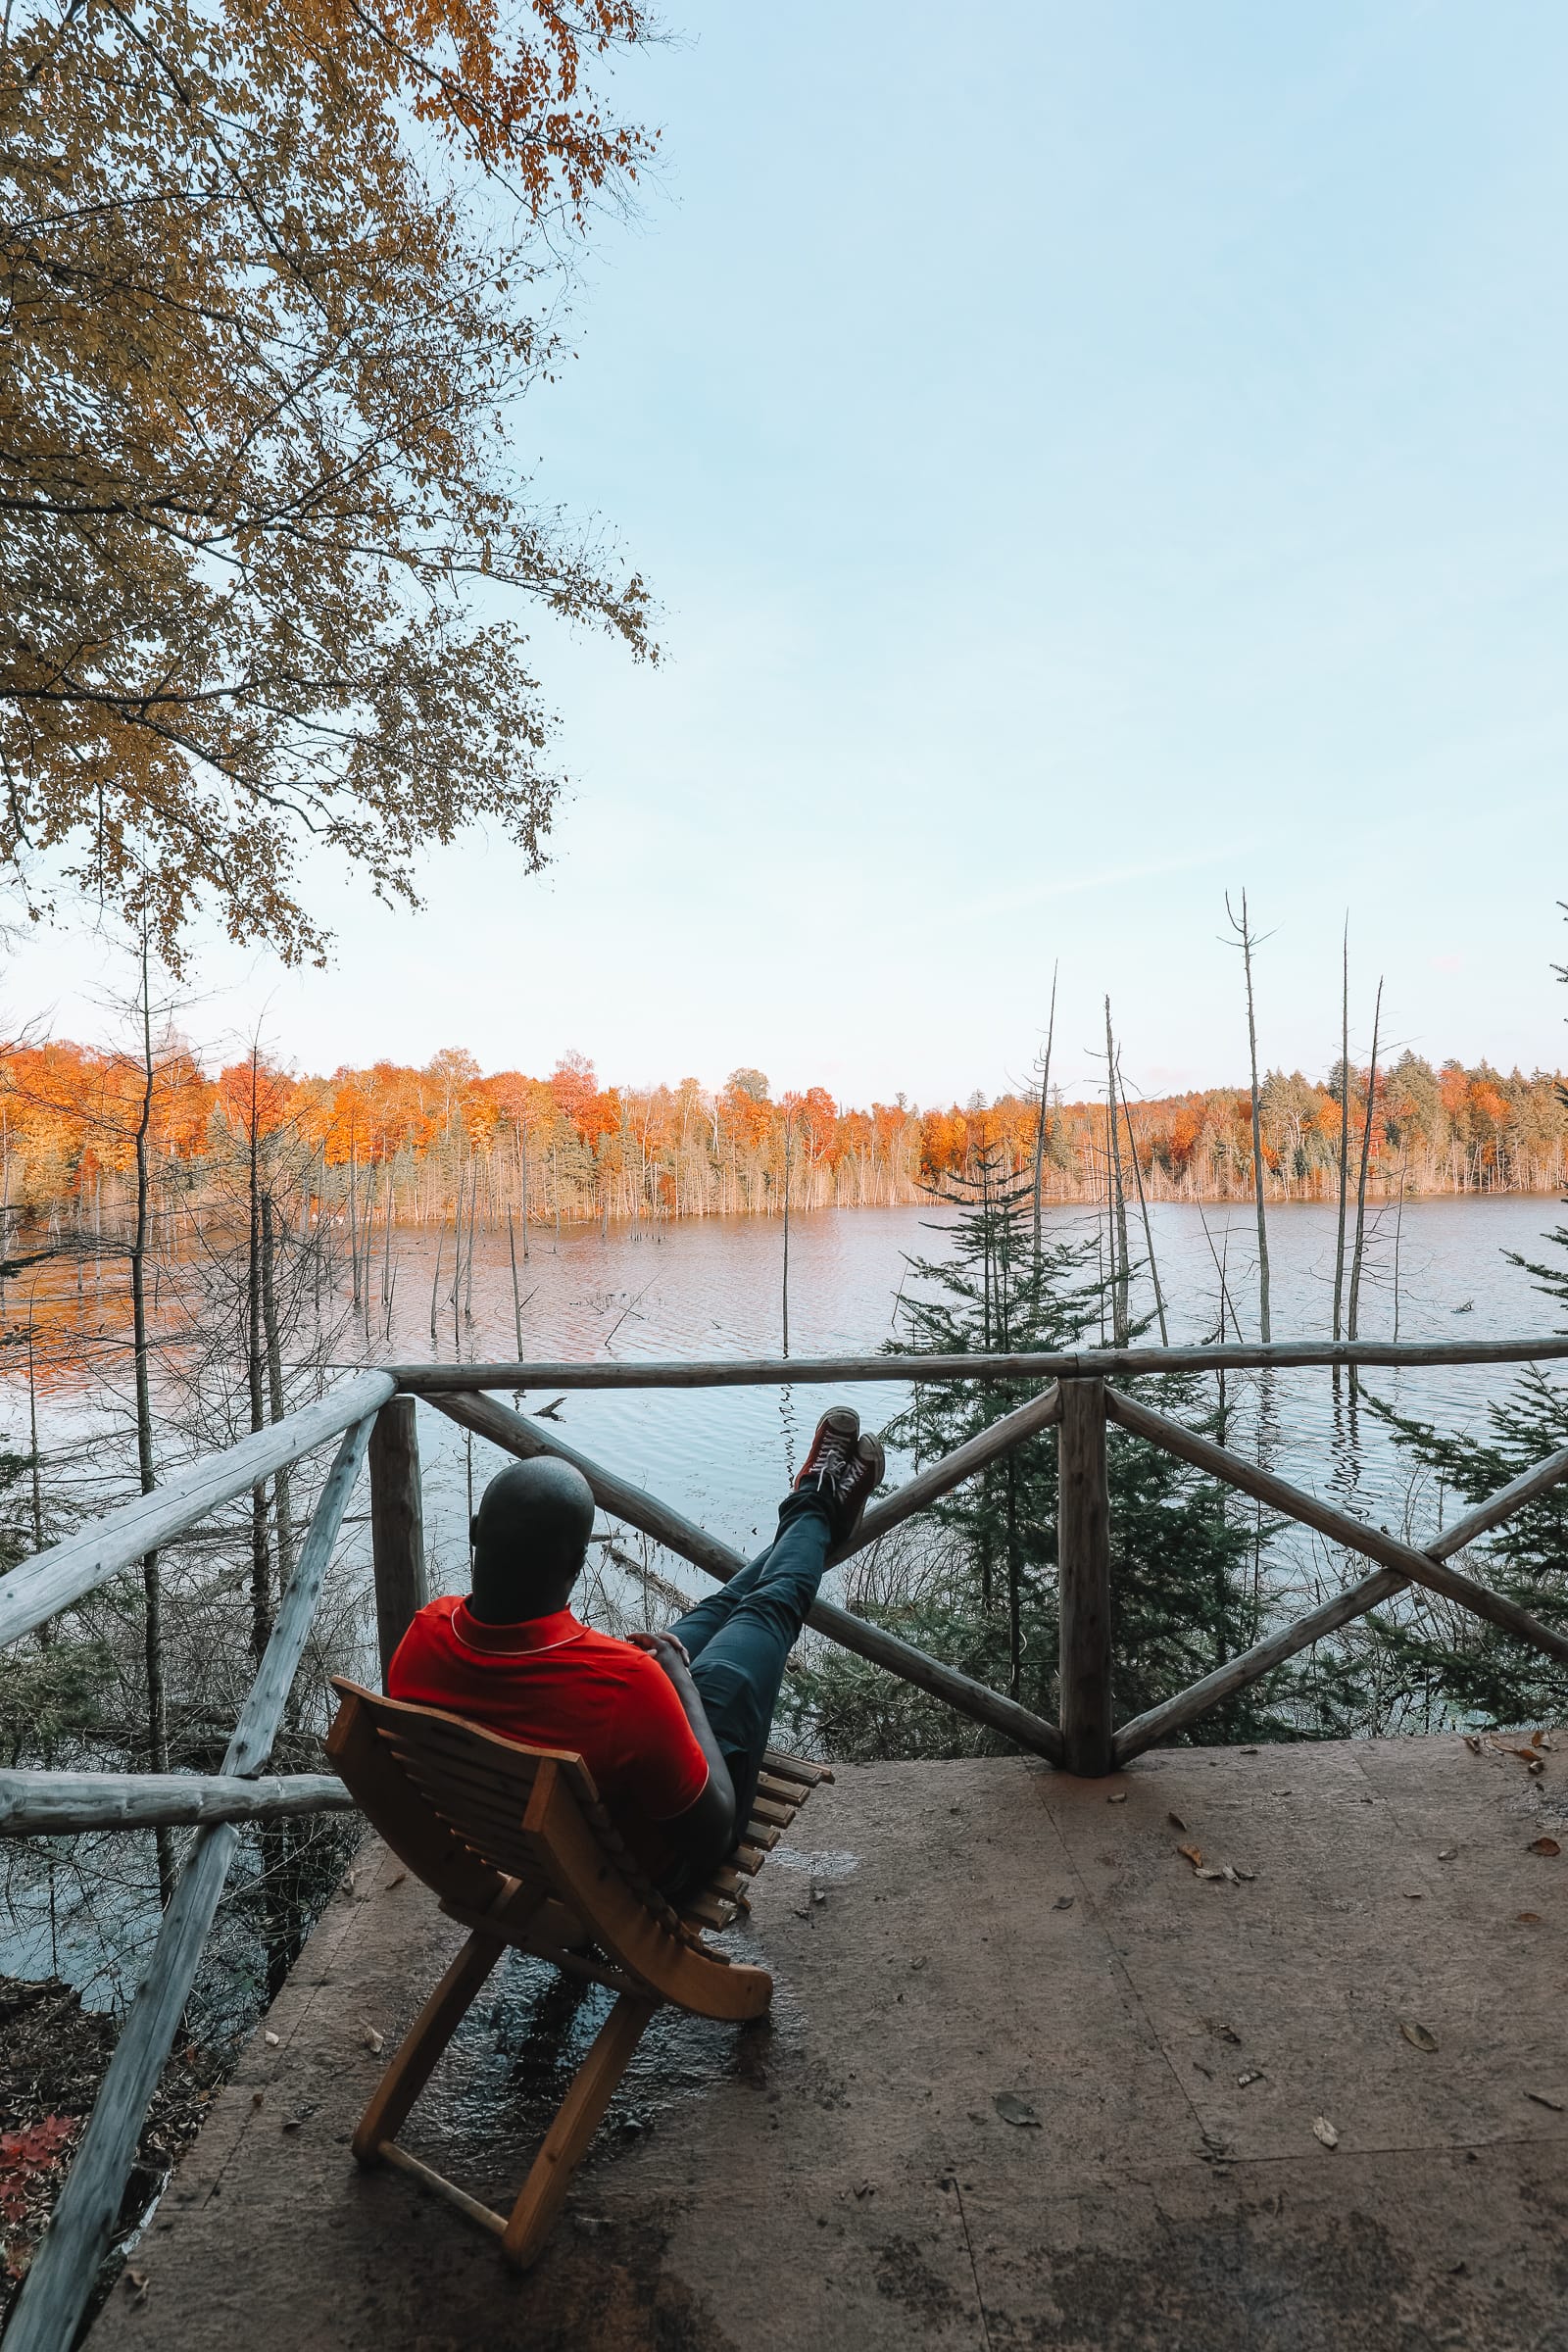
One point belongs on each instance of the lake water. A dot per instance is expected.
(712, 1289)
(724, 1456)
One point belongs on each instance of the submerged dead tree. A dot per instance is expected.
(1345, 1126)
(1247, 940)
(1045, 1104)
(1357, 1258)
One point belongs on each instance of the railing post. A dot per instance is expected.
(397, 1524)
(1083, 1552)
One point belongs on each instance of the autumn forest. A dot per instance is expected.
(447, 1141)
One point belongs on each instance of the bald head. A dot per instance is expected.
(531, 1535)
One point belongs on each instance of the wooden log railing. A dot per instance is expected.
(373, 1413)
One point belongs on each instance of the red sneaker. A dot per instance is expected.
(832, 1445)
(844, 1467)
(864, 1472)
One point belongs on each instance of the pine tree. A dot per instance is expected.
(1458, 1661)
(983, 1596)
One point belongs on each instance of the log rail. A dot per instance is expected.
(373, 1413)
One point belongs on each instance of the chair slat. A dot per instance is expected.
(763, 1808)
(795, 1768)
(783, 1793)
(710, 1912)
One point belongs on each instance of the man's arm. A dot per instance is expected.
(705, 1833)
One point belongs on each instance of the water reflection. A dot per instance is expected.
(711, 1287)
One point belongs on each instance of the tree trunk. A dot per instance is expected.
(1244, 930)
(1045, 1106)
(150, 1576)
(1360, 1188)
(281, 1501)
(260, 1548)
(1121, 1277)
(1345, 1127)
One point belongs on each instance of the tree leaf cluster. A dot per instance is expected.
(272, 279)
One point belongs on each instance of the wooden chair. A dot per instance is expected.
(516, 1845)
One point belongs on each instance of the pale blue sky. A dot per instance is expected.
(1087, 459)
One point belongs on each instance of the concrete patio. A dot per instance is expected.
(1030, 2081)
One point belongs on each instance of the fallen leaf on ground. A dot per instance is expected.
(1176, 1821)
(1194, 1854)
(1536, 1768)
(1063, 1902)
(1013, 2110)
(1324, 2130)
(1530, 1919)
(1212, 1870)
(270, 2039)
(1544, 1845)
(1544, 2099)
(1472, 1743)
(398, 1880)
(1117, 1798)
(1418, 2037)
(371, 2039)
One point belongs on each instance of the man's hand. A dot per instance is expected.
(667, 1648)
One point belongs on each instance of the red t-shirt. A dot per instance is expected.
(553, 1683)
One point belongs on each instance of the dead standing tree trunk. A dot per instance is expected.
(254, 1359)
(1344, 1128)
(1361, 1184)
(151, 1575)
(1246, 942)
(1121, 1278)
(1045, 1107)
(1143, 1209)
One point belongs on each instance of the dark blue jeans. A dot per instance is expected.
(740, 1636)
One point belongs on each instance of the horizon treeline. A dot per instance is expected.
(425, 1145)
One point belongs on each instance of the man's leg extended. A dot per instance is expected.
(740, 1667)
(836, 1433)
(744, 1635)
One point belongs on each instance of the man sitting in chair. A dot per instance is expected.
(673, 1726)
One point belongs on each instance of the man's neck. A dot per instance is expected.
(491, 1614)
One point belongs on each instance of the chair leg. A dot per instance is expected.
(567, 2140)
(414, 2059)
